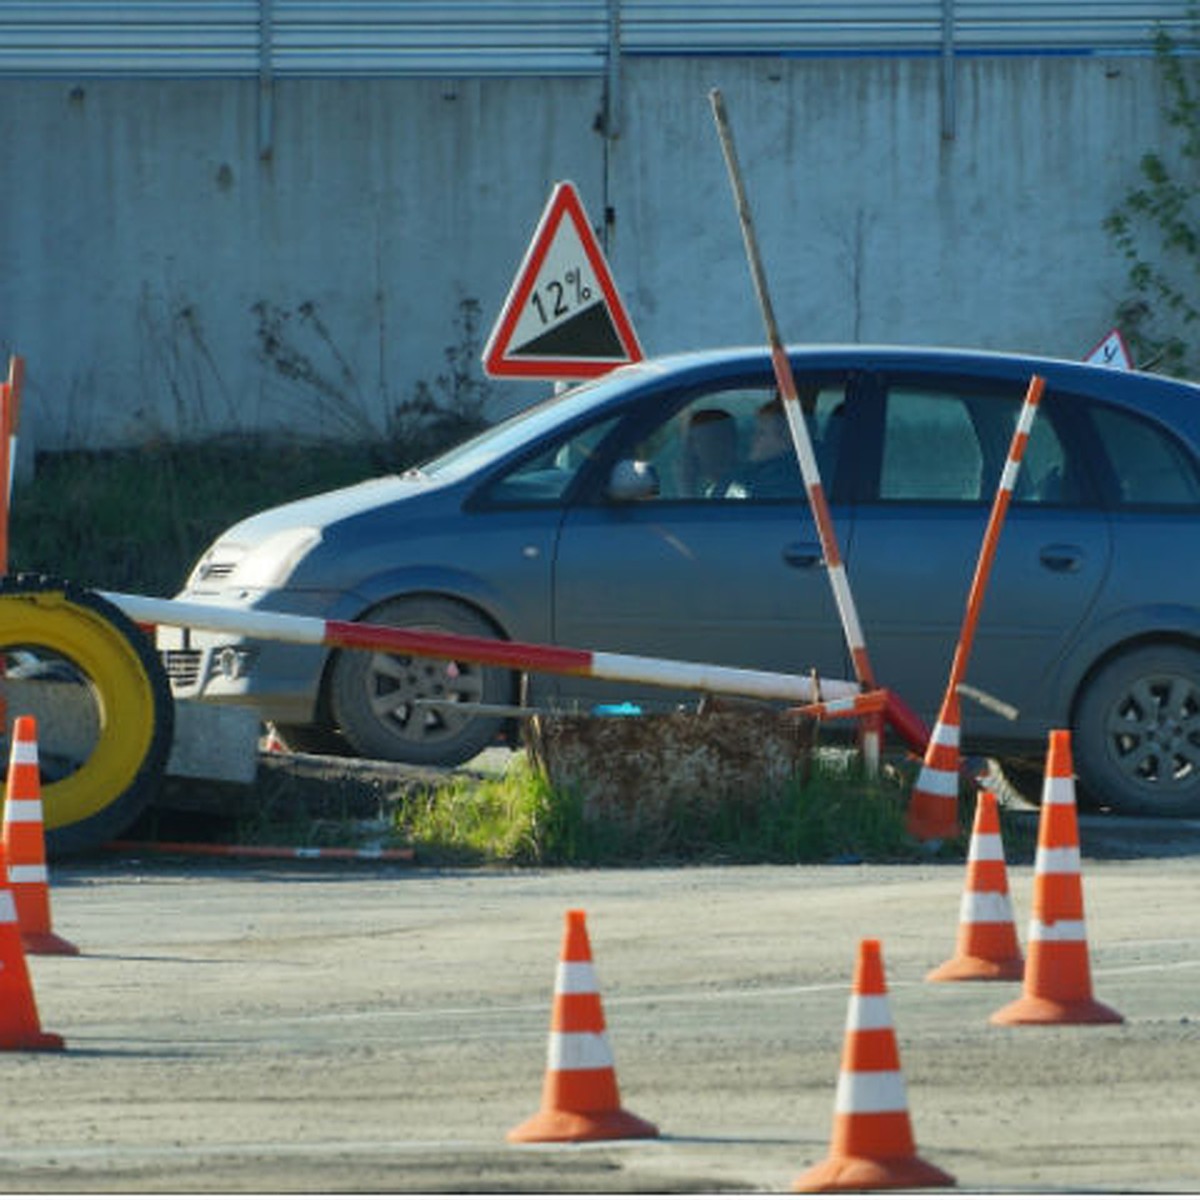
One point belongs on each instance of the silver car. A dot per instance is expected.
(647, 513)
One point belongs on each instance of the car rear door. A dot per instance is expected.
(927, 492)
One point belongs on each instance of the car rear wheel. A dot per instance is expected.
(404, 708)
(1137, 739)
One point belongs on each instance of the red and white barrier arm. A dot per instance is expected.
(493, 652)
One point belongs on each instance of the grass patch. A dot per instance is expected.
(837, 815)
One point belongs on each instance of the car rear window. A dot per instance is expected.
(1150, 466)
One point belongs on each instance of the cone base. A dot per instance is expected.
(848, 1173)
(46, 943)
(1038, 1010)
(38, 1040)
(965, 967)
(558, 1125)
(933, 826)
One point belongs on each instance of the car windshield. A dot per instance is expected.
(521, 428)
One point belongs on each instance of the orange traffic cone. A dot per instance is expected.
(872, 1145)
(987, 934)
(1058, 978)
(20, 1028)
(933, 805)
(580, 1101)
(25, 844)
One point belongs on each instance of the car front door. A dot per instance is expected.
(722, 564)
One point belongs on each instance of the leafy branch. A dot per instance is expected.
(1157, 226)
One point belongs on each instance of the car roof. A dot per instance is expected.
(1174, 401)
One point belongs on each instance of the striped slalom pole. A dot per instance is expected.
(933, 805)
(872, 1145)
(580, 1098)
(1058, 978)
(790, 396)
(864, 704)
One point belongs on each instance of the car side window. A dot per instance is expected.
(1151, 468)
(931, 450)
(545, 477)
(940, 445)
(735, 445)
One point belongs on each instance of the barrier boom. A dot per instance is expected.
(495, 652)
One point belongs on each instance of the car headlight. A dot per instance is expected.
(267, 565)
(271, 563)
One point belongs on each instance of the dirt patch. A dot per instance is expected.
(624, 768)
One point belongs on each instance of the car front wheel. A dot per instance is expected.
(1137, 739)
(405, 708)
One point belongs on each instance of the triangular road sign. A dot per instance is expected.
(1111, 352)
(563, 318)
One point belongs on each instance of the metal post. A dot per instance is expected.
(266, 79)
(949, 80)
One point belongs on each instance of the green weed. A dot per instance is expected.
(838, 814)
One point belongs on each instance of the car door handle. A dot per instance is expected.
(803, 554)
(1061, 558)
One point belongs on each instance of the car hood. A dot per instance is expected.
(329, 508)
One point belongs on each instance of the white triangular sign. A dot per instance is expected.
(563, 318)
(1111, 352)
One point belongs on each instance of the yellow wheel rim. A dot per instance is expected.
(120, 686)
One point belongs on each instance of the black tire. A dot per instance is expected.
(372, 694)
(1137, 732)
(88, 659)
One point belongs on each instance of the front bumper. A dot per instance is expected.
(279, 680)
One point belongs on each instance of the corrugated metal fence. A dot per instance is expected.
(524, 37)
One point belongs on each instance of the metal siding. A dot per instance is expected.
(1100, 25)
(422, 38)
(533, 37)
(139, 37)
(785, 26)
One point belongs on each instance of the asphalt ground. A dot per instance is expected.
(349, 1027)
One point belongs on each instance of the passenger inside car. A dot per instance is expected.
(710, 452)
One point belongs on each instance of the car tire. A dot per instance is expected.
(374, 695)
(1137, 732)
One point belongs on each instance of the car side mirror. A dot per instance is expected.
(632, 480)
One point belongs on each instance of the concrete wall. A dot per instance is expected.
(164, 280)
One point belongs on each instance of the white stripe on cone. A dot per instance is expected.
(986, 847)
(575, 979)
(31, 873)
(24, 753)
(868, 1012)
(984, 908)
(870, 1092)
(1061, 860)
(1057, 931)
(23, 810)
(579, 1052)
(1058, 790)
